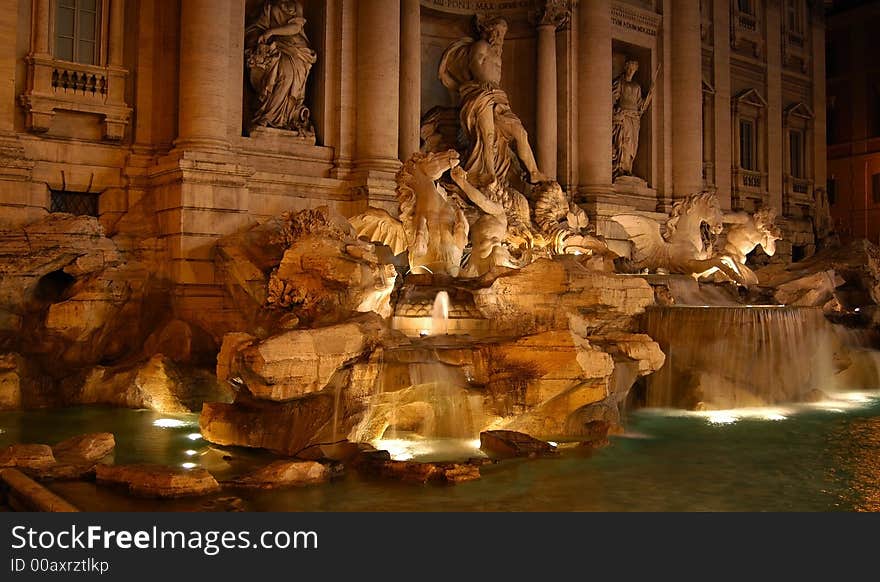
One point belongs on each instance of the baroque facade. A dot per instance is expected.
(165, 118)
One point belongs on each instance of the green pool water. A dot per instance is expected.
(823, 457)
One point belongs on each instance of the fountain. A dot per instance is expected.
(440, 314)
(734, 357)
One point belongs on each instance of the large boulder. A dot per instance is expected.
(156, 384)
(86, 448)
(157, 480)
(284, 473)
(813, 290)
(504, 444)
(537, 383)
(298, 362)
(283, 427)
(27, 456)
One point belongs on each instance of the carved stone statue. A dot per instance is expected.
(629, 106)
(684, 247)
(562, 223)
(472, 69)
(279, 60)
(749, 231)
(432, 227)
(489, 231)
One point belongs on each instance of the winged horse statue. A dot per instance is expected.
(687, 245)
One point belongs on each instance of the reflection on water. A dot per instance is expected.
(811, 459)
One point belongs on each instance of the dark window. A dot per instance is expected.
(832, 191)
(875, 188)
(794, 15)
(79, 203)
(746, 6)
(747, 153)
(796, 153)
(76, 30)
(874, 110)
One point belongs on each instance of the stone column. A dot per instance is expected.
(117, 32)
(594, 97)
(410, 77)
(378, 84)
(774, 163)
(40, 40)
(723, 123)
(819, 152)
(555, 13)
(687, 76)
(204, 40)
(8, 62)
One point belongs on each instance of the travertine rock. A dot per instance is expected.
(156, 384)
(503, 444)
(299, 362)
(27, 456)
(813, 290)
(286, 473)
(11, 366)
(282, 427)
(87, 448)
(543, 295)
(414, 471)
(158, 480)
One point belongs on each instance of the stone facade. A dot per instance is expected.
(150, 130)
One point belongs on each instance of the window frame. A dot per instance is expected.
(797, 159)
(752, 124)
(99, 50)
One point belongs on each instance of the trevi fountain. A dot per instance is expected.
(476, 343)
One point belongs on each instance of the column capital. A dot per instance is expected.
(555, 13)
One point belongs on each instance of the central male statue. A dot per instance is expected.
(472, 68)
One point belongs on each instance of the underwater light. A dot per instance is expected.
(189, 466)
(169, 423)
(721, 417)
(191, 453)
(194, 436)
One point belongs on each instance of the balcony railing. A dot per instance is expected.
(797, 200)
(745, 30)
(55, 85)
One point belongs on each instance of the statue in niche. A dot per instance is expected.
(471, 68)
(629, 107)
(279, 60)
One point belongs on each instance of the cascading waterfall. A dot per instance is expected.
(418, 395)
(735, 357)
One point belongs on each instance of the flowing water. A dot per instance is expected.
(733, 357)
(812, 457)
(440, 314)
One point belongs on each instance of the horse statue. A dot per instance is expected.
(432, 227)
(687, 245)
(749, 231)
